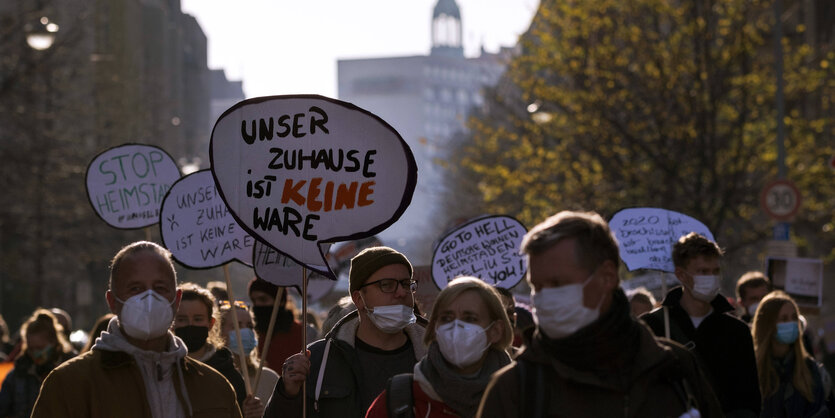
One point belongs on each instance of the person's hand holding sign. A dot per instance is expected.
(294, 372)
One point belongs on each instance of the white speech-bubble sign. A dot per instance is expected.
(318, 286)
(487, 248)
(198, 229)
(280, 270)
(301, 170)
(126, 184)
(646, 236)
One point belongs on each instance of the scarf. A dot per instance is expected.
(461, 393)
(607, 344)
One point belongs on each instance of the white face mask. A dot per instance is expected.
(705, 288)
(752, 309)
(461, 343)
(390, 319)
(559, 311)
(146, 315)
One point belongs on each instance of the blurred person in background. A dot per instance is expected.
(266, 382)
(99, 327)
(751, 287)
(5, 346)
(468, 337)
(789, 378)
(641, 301)
(218, 290)
(287, 331)
(44, 346)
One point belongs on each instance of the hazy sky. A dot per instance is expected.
(284, 47)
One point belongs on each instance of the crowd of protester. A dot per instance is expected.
(583, 347)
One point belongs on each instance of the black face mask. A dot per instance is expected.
(193, 335)
(262, 316)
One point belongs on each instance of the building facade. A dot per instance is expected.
(426, 98)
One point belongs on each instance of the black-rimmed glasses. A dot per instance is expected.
(390, 285)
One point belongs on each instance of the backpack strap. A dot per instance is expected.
(399, 399)
(680, 380)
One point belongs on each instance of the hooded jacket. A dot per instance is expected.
(335, 374)
(724, 347)
(648, 382)
(22, 384)
(115, 378)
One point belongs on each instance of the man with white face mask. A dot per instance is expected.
(587, 355)
(138, 368)
(348, 368)
(700, 318)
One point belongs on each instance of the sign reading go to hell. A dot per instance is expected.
(297, 171)
(487, 248)
(646, 236)
(196, 226)
(280, 270)
(126, 184)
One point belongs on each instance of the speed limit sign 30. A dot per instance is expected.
(780, 199)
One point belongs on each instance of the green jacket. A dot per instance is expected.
(103, 384)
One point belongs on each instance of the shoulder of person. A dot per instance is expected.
(192, 367)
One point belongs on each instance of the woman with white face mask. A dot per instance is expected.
(790, 380)
(468, 337)
(239, 311)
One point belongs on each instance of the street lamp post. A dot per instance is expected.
(40, 36)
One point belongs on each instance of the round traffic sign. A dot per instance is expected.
(780, 199)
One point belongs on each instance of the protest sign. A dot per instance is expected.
(646, 236)
(318, 286)
(281, 270)
(196, 225)
(801, 278)
(487, 248)
(126, 184)
(297, 171)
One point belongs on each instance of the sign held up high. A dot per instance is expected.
(298, 171)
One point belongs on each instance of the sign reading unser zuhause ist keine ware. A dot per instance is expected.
(297, 171)
(646, 236)
(487, 248)
(126, 184)
(280, 270)
(196, 226)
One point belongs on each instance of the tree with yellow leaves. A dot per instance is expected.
(656, 103)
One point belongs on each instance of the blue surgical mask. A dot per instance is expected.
(787, 332)
(247, 339)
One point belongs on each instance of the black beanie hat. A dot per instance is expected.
(258, 283)
(369, 260)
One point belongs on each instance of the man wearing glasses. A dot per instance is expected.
(350, 367)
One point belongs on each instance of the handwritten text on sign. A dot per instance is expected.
(280, 270)
(198, 229)
(126, 184)
(300, 170)
(487, 248)
(646, 236)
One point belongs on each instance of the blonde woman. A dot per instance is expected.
(468, 336)
(789, 379)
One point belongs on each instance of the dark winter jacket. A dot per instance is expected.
(221, 361)
(22, 385)
(787, 402)
(339, 389)
(650, 378)
(723, 346)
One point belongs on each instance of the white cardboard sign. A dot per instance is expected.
(281, 270)
(802, 278)
(198, 229)
(297, 171)
(646, 236)
(126, 184)
(487, 248)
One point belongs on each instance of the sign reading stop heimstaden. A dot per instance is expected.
(780, 199)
